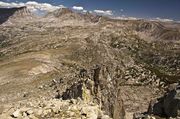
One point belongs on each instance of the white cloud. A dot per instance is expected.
(107, 12)
(4, 4)
(32, 6)
(84, 11)
(35, 7)
(78, 8)
(41, 6)
(123, 17)
(162, 20)
(90, 12)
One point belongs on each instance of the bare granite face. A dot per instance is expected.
(74, 65)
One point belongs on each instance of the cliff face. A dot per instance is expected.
(13, 13)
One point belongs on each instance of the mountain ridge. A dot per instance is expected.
(14, 13)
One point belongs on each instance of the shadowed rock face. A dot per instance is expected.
(168, 105)
(6, 13)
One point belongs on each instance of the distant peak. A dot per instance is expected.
(62, 11)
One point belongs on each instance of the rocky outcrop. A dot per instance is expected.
(93, 89)
(164, 107)
(77, 90)
(167, 106)
(54, 109)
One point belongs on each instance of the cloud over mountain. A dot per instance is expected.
(32, 6)
(162, 19)
(106, 12)
(35, 7)
(78, 8)
(42, 8)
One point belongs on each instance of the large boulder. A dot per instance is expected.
(171, 103)
(168, 105)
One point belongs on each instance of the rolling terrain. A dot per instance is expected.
(99, 67)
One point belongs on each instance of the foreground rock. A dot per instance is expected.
(90, 91)
(167, 106)
(54, 109)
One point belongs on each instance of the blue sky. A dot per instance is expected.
(165, 9)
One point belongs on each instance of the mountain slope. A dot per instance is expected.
(67, 55)
(158, 31)
(64, 14)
